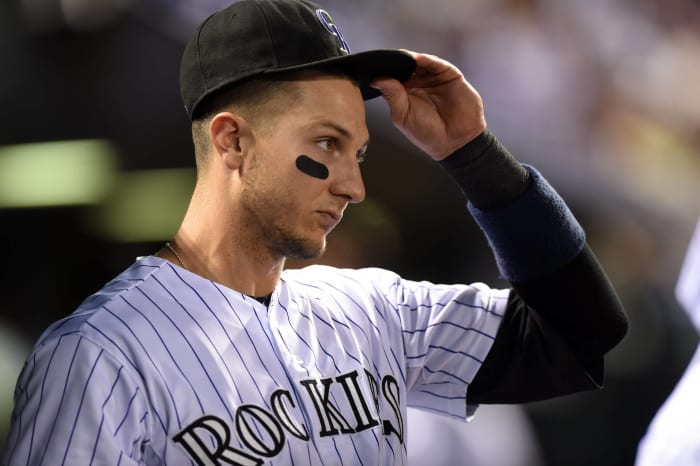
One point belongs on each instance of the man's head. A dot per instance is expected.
(282, 177)
(262, 37)
(260, 65)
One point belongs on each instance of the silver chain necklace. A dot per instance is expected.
(179, 259)
(265, 300)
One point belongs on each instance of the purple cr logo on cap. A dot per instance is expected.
(327, 22)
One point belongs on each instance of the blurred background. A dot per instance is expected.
(96, 168)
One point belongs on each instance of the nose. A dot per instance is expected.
(348, 182)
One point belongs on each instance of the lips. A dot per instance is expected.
(333, 215)
(330, 218)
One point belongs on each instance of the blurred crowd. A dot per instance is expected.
(601, 89)
(598, 94)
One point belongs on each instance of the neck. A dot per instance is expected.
(223, 262)
(211, 244)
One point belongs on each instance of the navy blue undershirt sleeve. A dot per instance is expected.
(529, 227)
(534, 234)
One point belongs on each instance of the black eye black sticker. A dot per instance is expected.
(311, 167)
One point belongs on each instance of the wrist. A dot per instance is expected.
(486, 172)
(458, 143)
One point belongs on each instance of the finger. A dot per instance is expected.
(426, 63)
(432, 70)
(394, 93)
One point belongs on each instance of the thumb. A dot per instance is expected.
(394, 93)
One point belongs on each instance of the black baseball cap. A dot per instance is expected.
(254, 37)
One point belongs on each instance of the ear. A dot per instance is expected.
(226, 130)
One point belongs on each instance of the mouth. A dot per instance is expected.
(330, 219)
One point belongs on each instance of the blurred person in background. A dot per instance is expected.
(672, 438)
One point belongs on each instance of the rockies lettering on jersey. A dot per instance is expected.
(263, 432)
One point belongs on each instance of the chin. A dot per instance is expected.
(303, 249)
(309, 252)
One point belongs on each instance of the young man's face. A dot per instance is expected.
(306, 170)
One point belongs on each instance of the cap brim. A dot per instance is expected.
(365, 67)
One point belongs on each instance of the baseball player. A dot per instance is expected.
(210, 353)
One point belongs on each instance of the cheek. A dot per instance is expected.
(285, 187)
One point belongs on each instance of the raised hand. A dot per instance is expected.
(436, 109)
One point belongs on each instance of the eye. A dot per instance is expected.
(361, 156)
(326, 144)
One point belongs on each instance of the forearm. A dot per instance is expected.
(558, 284)
(487, 173)
(539, 246)
(529, 227)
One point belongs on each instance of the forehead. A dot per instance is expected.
(332, 101)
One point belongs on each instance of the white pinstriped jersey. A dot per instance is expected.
(165, 367)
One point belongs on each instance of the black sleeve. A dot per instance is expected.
(563, 314)
(553, 337)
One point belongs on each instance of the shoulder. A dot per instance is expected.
(341, 290)
(323, 277)
(387, 287)
(110, 300)
(335, 273)
(104, 333)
